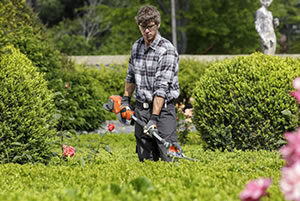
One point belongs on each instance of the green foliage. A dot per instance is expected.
(27, 110)
(115, 32)
(20, 28)
(112, 78)
(244, 103)
(120, 38)
(72, 37)
(222, 27)
(50, 10)
(79, 36)
(184, 124)
(82, 108)
(74, 44)
(288, 14)
(112, 81)
(189, 72)
(80, 104)
(213, 27)
(218, 176)
(295, 48)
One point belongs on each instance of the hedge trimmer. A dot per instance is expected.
(127, 118)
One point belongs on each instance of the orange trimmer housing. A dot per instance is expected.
(114, 105)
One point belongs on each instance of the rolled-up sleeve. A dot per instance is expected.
(167, 66)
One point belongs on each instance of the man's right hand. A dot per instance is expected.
(125, 103)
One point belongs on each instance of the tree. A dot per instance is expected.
(203, 27)
(91, 20)
(223, 27)
(288, 12)
(181, 7)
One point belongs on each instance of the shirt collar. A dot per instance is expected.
(153, 44)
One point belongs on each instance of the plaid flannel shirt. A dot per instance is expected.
(154, 70)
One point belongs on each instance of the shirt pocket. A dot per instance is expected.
(139, 66)
(152, 64)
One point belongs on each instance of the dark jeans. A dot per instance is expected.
(149, 147)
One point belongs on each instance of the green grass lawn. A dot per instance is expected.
(118, 175)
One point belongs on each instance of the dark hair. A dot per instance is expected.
(147, 14)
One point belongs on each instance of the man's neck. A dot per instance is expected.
(148, 43)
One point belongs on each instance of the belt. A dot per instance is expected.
(147, 105)
(144, 105)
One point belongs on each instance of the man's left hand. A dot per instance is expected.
(151, 125)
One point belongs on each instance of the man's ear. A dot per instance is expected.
(158, 26)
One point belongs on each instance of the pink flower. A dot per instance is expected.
(296, 83)
(290, 182)
(67, 85)
(68, 151)
(188, 112)
(296, 94)
(255, 189)
(291, 151)
(111, 127)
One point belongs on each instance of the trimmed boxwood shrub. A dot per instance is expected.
(20, 27)
(244, 103)
(27, 110)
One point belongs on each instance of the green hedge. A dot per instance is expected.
(21, 28)
(111, 77)
(218, 176)
(244, 103)
(27, 110)
(81, 104)
(112, 81)
(190, 71)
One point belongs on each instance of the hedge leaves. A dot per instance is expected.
(26, 110)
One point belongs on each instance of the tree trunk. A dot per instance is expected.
(181, 25)
(181, 21)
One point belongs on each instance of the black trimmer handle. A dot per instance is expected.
(138, 121)
(155, 134)
(165, 143)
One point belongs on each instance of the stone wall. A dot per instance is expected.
(123, 59)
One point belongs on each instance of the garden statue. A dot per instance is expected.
(265, 24)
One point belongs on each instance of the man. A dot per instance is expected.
(264, 24)
(153, 75)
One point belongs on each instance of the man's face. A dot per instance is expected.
(266, 3)
(149, 31)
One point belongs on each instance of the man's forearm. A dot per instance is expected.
(158, 103)
(129, 88)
